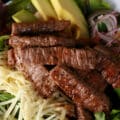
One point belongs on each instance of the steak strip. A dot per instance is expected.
(36, 73)
(108, 66)
(79, 91)
(11, 57)
(39, 76)
(94, 79)
(76, 58)
(82, 59)
(41, 41)
(39, 27)
(110, 72)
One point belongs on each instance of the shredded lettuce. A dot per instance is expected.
(27, 104)
(99, 116)
(114, 115)
(4, 96)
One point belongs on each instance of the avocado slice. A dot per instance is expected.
(45, 8)
(68, 10)
(24, 16)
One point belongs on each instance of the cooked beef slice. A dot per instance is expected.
(110, 72)
(117, 83)
(93, 78)
(39, 76)
(40, 41)
(39, 27)
(79, 58)
(76, 58)
(113, 53)
(36, 73)
(109, 65)
(11, 57)
(82, 59)
(44, 56)
(79, 91)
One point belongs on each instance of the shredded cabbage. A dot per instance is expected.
(27, 104)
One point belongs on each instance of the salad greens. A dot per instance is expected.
(24, 16)
(98, 5)
(114, 115)
(90, 6)
(3, 45)
(21, 8)
(99, 116)
(117, 90)
(17, 5)
(4, 96)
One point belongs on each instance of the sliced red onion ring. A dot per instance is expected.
(110, 20)
(107, 39)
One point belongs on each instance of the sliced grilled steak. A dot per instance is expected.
(36, 73)
(43, 56)
(83, 59)
(11, 57)
(41, 41)
(39, 76)
(76, 58)
(110, 72)
(113, 53)
(39, 27)
(79, 91)
(93, 78)
(109, 65)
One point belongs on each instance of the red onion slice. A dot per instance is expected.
(110, 20)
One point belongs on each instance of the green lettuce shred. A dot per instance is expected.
(99, 116)
(3, 45)
(91, 6)
(114, 115)
(4, 96)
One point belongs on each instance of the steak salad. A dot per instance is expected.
(59, 62)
